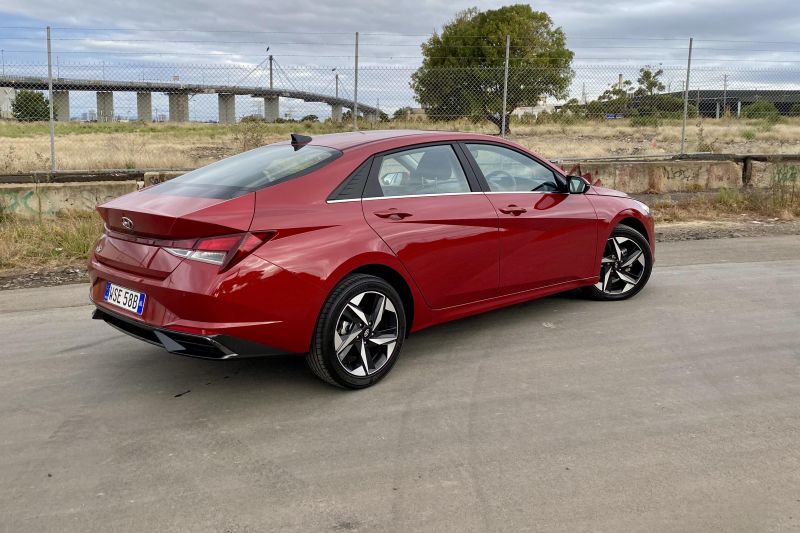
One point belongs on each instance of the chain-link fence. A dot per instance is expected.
(638, 93)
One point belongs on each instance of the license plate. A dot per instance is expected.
(124, 298)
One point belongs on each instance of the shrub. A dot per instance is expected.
(642, 121)
(761, 110)
(252, 118)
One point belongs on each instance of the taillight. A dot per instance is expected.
(225, 251)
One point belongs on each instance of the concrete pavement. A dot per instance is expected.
(678, 410)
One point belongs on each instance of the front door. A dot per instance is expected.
(547, 236)
(421, 203)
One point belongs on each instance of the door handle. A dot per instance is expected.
(392, 214)
(512, 210)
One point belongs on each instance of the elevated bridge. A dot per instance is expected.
(178, 94)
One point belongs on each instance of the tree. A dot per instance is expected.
(462, 68)
(30, 106)
(649, 81)
(617, 92)
(310, 118)
(401, 113)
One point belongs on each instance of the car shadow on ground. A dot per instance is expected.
(289, 373)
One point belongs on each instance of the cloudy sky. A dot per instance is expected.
(606, 30)
(730, 36)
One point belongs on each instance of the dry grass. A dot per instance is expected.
(27, 243)
(779, 203)
(25, 147)
(68, 239)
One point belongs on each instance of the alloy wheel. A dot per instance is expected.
(366, 333)
(622, 267)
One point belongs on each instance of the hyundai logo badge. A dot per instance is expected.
(127, 223)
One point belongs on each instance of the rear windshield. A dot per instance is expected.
(249, 171)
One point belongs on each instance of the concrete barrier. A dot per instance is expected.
(154, 178)
(653, 177)
(50, 199)
(635, 177)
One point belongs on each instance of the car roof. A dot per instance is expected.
(352, 139)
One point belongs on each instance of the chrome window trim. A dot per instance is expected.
(525, 192)
(343, 201)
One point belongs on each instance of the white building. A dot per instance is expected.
(542, 105)
(7, 96)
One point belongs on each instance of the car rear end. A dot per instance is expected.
(179, 265)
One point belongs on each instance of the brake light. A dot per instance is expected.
(224, 251)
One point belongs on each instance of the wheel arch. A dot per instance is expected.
(396, 280)
(635, 223)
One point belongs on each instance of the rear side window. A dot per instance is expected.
(249, 171)
(421, 171)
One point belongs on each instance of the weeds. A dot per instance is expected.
(785, 188)
(249, 134)
(781, 201)
(704, 145)
(26, 242)
(749, 135)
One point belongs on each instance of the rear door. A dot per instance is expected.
(548, 236)
(441, 226)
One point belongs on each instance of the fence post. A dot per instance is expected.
(686, 96)
(50, 95)
(355, 90)
(505, 90)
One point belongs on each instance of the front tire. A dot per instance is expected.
(625, 267)
(359, 333)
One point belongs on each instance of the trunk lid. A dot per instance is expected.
(150, 213)
(139, 226)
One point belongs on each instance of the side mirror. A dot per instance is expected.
(577, 184)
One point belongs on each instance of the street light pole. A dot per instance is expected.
(686, 96)
(50, 106)
(355, 90)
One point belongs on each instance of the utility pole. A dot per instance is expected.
(270, 71)
(50, 91)
(505, 90)
(355, 90)
(3, 56)
(686, 96)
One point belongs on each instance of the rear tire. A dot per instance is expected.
(359, 333)
(625, 266)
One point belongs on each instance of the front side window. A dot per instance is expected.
(249, 171)
(421, 171)
(506, 170)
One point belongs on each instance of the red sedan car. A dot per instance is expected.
(338, 247)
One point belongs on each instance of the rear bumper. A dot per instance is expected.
(177, 342)
(253, 304)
